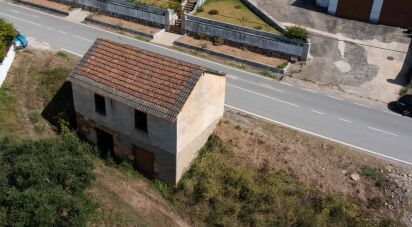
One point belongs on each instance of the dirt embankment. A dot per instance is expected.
(383, 186)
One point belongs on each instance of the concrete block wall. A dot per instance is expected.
(6, 64)
(265, 41)
(140, 13)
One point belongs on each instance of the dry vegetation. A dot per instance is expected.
(233, 12)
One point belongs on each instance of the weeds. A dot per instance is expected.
(221, 190)
(374, 174)
(62, 54)
(142, 38)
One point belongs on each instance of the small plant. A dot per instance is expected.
(403, 91)
(142, 38)
(62, 54)
(374, 174)
(265, 73)
(237, 127)
(282, 66)
(34, 116)
(218, 40)
(296, 32)
(200, 9)
(238, 6)
(258, 27)
(203, 45)
(213, 12)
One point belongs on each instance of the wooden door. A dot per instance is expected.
(144, 162)
(396, 13)
(105, 143)
(355, 9)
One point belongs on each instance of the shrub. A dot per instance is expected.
(7, 35)
(218, 40)
(42, 182)
(213, 12)
(258, 27)
(238, 6)
(296, 32)
(200, 9)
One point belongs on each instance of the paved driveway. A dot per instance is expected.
(360, 58)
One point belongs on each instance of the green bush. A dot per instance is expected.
(42, 182)
(296, 32)
(7, 35)
(200, 9)
(213, 12)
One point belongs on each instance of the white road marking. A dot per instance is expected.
(46, 43)
(359, 104)
(82, 38)
(14, 11)
(318, 135)
(72, 52)
(334, 97)
(347, 121)
(288, 84)
(262, 85)
(17, 18)
(63, 32)
(315, 111)
(386, 132)
(50, 28)
(282, 101)
(31, 38)
(309, 90)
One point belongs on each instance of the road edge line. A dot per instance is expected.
(318, 135)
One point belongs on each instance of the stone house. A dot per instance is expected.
(387, 12)
(152, 110)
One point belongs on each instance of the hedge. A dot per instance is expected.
(7, 35)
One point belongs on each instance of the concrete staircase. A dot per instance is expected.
(189, 6)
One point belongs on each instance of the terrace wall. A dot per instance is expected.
(257, 40)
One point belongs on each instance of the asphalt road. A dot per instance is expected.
(340, 119)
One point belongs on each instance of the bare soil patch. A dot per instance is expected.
(241, 53)
(125, 24)
(50, 4)
(384, 187)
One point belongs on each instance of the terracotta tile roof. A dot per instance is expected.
(149, 82)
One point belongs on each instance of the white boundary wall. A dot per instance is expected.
(6, 64)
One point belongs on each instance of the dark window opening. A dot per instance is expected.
(140, 120)
(100, 104)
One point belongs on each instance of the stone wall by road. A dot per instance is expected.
(140, 13)
(263, 41)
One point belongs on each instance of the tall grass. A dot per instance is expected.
(221, 189)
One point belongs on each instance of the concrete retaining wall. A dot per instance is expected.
(150, 15)
(6, 64)
(232, 58)
(266, 42)
(252, 5)
(114, 26)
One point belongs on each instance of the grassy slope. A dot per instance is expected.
(123, 197)
(234, 12)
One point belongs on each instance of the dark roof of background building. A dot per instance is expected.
(149, 82)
